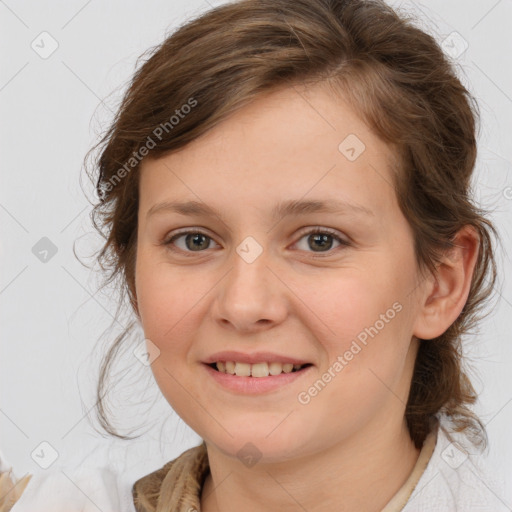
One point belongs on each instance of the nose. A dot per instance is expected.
(251, 297)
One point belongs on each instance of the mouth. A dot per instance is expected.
(256, 370)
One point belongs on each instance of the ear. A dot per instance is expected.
(446, 293)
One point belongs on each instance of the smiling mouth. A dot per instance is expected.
(256, 370)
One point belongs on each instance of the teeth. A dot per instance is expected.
(242, 369)
(287, 368)
(275, 368)
(257, 369)
(230, 367)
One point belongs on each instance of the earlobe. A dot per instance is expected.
(446, 293)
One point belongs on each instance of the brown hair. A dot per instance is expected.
(398, 79)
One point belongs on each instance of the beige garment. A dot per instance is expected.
(176, 487)
(11, 489)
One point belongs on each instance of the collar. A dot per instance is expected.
(177, 485)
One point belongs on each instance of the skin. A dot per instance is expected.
(295, 298)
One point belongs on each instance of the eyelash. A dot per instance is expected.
(315, 230)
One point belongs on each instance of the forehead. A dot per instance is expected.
(290, 143)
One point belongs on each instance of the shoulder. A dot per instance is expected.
(76, 490)
(457, 477)
(101, 482)
(93, 484)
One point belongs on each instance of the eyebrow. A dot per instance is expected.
(282, 209)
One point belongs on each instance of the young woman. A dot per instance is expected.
(285, 199)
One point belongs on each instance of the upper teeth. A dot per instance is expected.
(255, 370)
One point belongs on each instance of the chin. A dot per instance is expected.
(257, 446)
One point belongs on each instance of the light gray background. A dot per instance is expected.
(51, 315)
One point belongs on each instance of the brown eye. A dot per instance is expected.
(193, 241)
(320, 240)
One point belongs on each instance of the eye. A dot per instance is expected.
(193, 241)
(320, 239)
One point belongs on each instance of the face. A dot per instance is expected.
(253, 279)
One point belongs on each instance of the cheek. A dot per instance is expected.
(365, 360)
(166, 305)
(350, 303)
(165, 299)
(173, 305)
(365, 325)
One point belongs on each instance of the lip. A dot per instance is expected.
(253, 358)
(255, 385)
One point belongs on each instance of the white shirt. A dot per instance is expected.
(458, 478)
(88, 488)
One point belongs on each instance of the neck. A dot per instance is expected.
(360, 474)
